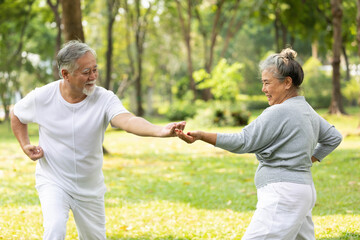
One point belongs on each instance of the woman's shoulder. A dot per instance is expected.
(287, 108)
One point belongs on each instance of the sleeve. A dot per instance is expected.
(25, 109)
(329, 139)
(114, 107)
(254, 138)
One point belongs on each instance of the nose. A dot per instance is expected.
(93, 75)
(263, 89)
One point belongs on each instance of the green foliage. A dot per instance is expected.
(179, 109)
(220, 113)
(254, 102)
(352, 91)
(317, 85)
(223, 81)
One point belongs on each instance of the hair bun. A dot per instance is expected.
(288, 53)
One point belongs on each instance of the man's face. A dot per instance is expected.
(84, 77)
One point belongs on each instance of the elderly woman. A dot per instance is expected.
(286, 139)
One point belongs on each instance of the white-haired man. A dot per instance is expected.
(73, 114)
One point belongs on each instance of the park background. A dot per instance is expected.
(185, 60)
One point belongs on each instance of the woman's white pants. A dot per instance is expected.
(56, 203)
(283, 212)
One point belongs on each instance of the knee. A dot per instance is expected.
(55, 228)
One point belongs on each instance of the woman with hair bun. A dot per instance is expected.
(287, 138)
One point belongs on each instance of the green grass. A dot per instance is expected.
(167, 189)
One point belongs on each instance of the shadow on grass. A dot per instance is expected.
(345, 236)
(217, 181)
(145, 238)
(224, 181)
(204, 182)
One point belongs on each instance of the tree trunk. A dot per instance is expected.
(336, 106)
(112, 9)
(217, 25)
(129, 78)
(277, 32)
(109, 51)
(71, 12)
(347, 77)
(358, 26)
(284, 32)
(358, 35)
(231, 30)
(55, 10)
(140, 33)
(186, 29)
(315, 49)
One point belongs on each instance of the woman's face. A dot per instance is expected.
(275, 90)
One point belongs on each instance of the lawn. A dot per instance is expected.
(167, 189)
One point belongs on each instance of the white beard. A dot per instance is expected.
(89, 91)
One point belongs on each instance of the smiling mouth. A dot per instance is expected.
(92, 83)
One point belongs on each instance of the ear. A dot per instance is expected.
(65, 74)
(288, 82)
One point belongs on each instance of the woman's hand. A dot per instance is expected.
(190, 137)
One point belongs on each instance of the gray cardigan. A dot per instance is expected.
(283, 138)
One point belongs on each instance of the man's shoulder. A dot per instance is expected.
(102, 95)
(45, 91)
(102, 92)
(48, 87)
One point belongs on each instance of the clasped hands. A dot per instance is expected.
(189, 137)
(177, 129)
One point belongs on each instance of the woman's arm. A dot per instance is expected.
(191, 137)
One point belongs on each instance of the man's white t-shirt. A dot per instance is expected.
(71, 136)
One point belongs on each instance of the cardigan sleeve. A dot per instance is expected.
(329, 139)
(255, 137)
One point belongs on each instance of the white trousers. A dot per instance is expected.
(283, 212)
(55, 204)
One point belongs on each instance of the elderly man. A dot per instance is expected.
(73, 114)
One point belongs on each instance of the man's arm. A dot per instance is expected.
(21, 133)
(141, 127)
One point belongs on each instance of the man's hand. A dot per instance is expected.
(33, 152)
(169, 130)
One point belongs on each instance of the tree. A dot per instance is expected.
(186, 30)
(358, 36)
(71, 17)
(223, 20)
(336, 105)
(112, 11)
(137, 19)
(209, 50)
(55, 9)
(358, 27)
(14, 19)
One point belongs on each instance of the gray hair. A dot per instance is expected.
(72, 51)
(284, 65)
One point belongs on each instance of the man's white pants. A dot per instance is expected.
(283, 212)
(56, 203)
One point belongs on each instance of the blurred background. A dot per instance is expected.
(185, 59)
